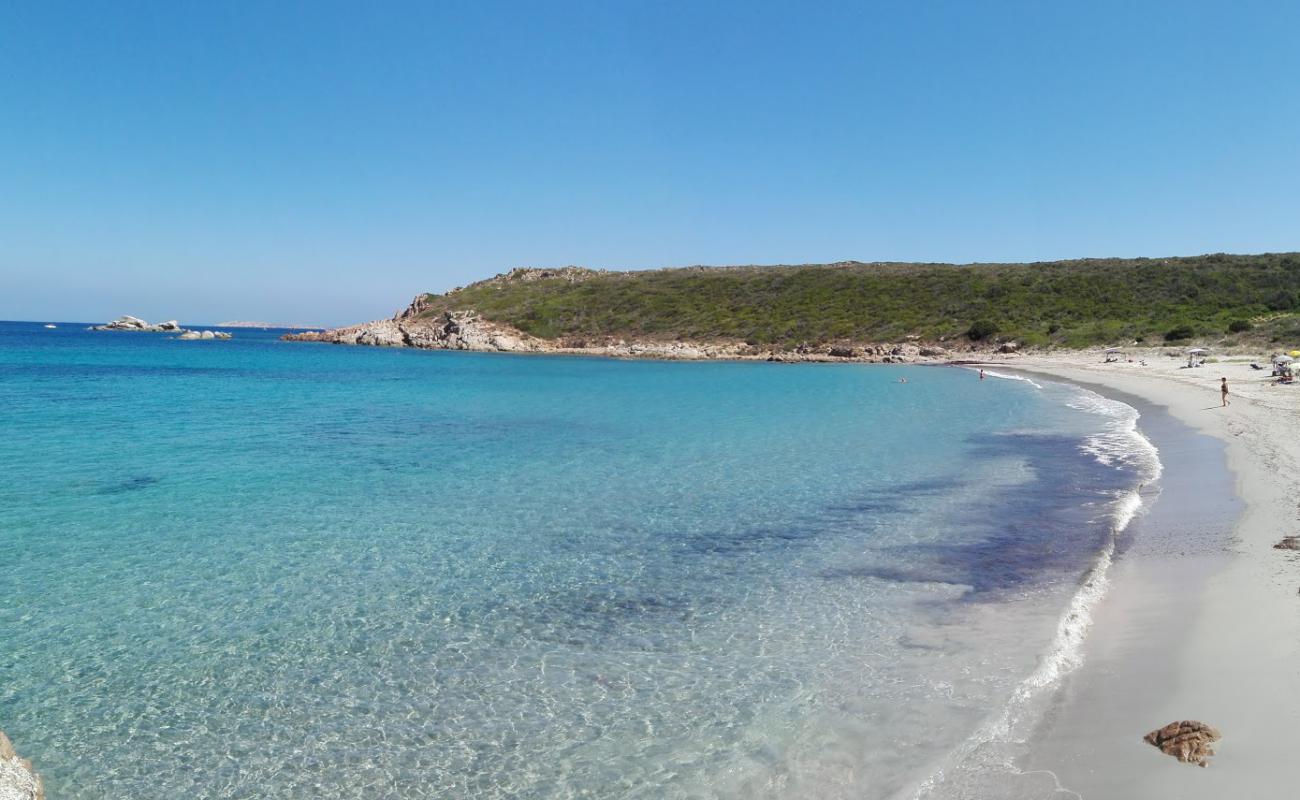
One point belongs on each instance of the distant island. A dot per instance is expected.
(250, 324)
(854, 310)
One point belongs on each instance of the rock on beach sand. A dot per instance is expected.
(1188, 741)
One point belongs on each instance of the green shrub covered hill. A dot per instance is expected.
(1065, 303)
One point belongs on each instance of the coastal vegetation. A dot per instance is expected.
(1063, 303)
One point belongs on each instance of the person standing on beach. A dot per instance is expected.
(1223, 392)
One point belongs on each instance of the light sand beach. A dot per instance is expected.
(1204, 629)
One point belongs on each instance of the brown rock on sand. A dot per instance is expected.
(1288, 543)
(1188, 741)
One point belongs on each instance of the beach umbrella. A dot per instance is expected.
(1196, 351)
(1296, 353)
(1113, 350)
(1282, 359)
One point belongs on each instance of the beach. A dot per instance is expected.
(716, 401)
(1204, 629)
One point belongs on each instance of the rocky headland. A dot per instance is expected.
(468, 330)
(18, 780)
(852, 311)
(856, 311)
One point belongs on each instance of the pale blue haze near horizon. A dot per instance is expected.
(323, 162)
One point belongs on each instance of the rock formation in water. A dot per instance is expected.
(18, 780)
(1188, 741)
(1288, 543)
(130, 323)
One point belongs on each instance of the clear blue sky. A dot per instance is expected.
(323, 162)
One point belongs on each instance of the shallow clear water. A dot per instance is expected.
(261, 569)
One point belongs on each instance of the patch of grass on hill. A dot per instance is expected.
(1066, 303)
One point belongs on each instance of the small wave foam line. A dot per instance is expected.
(1004, 376)
(1119, 444)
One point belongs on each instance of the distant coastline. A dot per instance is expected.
(254, 324)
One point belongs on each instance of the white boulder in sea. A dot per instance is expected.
(130, 323)
(126, 322)
(192, 335)
(18, 780)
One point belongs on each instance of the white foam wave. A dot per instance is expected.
(1004, 376)
(1119, 444)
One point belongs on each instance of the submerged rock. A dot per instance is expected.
(18, 780)
(1188, 741)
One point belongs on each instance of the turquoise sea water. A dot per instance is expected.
(253, 568)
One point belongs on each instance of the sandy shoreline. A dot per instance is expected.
(1206, 631)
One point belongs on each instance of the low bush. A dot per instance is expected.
(981, 329)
